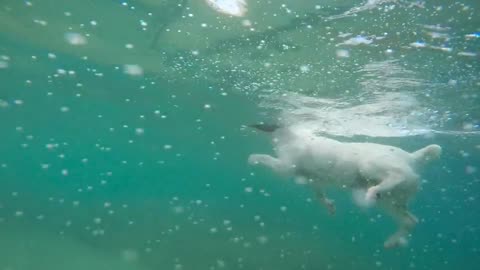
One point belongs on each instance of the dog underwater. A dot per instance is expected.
(377, 174)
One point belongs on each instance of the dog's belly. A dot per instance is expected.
(338, 173)
(322, 161)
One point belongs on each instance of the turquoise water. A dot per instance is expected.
(124, 143)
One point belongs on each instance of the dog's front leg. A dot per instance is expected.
(273, 163)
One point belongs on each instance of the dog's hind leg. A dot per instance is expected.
(385, 186)
(406, 222)
(329, 204)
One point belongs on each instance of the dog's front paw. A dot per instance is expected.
(254, 159)
(395, 241)
(330, 207)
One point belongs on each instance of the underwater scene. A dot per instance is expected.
(239, 134)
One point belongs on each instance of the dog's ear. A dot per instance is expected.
(427, 154)
(265, 127)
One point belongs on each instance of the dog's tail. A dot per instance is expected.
(427, 154)
(265, 127)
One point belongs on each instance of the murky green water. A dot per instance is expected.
(124, 143)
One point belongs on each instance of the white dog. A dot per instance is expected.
(383, 174)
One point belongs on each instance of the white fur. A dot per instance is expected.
(377, 174)
(237, 8)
